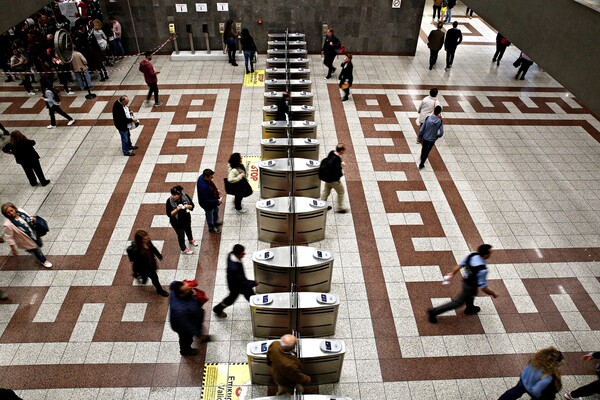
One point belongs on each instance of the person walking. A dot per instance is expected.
(469, 13)
(286, 368)
(427, 106)
(179, 207)
(52, 99)
(236, 280)
(249, 49)
(19, 232)
(437, 8)
(435, 43)
(523, 62)
(451, 5)
(590, 388)
(330, 49)
(150, 76)
(346, 77)
(79, 66)
(331, 172)
(186, 316)
(501, 44)
(143, 255)
(229, 37)
(25, 155)
(123, 120)
(453, 39)
(209, 198)
(237, 178)
(541, 377)
(431, 130)
(474, 273)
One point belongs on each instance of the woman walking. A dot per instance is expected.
(179, 206)
(346, 77)
(237, 177)
(143, 254)
(19, 232)
(229, 38)
(25, 155)
(249, 49)
(52, 99)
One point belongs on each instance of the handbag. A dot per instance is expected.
(245, 188)
(229, 187)
(41, 226)
(518, 62)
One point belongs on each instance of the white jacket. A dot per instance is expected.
(426, 108)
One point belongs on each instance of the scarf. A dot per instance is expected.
(27, 227)
(184, 199)
(212, 185)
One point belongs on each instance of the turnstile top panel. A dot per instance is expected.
(295, 124)
(283, 300)
(294, 42)
(295, 60)
(273, 300)
(292, 70)
(282, 164)
(306, 348)
(307, 256)
(295, 36)
(291, 52)
(293, 109)
(292, 94)
(292, 81)
(282, 205)
(296, 142)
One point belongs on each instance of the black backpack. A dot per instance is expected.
(472, 271)
(327, 169)
(132, 252)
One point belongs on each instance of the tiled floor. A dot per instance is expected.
(518, 167)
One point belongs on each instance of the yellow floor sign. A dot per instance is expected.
(223, 381)
(251, 165)
(257, 78)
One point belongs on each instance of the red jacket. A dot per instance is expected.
(148, 71)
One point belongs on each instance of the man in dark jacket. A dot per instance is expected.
(331, 172)
(330, 47)
(346, 76)
(453, 39)
(209, 199)
(185, 315)
(122, 118)
(501, 44)
(435, 43)
(236, 280)
(431, 130)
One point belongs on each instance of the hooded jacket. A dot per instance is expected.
(432, 129)
(147, 69)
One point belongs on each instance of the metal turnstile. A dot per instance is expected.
(280, 62)
(282, 36)
(291, 44)
(309, 314)
(291, 53)
(296, 98)
(299, 129)
(276, 177)
(282, 73)
(308, 267)
(295, 85)
(277, 223)
(296, 113)
(322, 360)
(280, 148)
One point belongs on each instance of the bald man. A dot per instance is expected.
(286, 368)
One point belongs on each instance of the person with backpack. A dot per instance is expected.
(501, 44)
(330, 49)
(474, 273)
(143, 255)
(331, 172)
(52, 99)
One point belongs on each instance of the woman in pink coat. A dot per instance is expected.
(19, 232)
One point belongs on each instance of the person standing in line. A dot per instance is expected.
(541, 378)
(143, 255)
(186, 316)
(435, 43)
(229, 37)
(150, 76)
(237, 177)
(330, 50)
(19, 64)
(52, 99)
(524, 65)
(346, 77)
(590, 388)
(451, 5)
(209, 198)
(117, 32)
(501, 44)
(431, 130)
(236, 280)
(79, 66)
(249, 49)
(122, 120)
(286, 368)
(474, 273)
(453, 39)
(437, 8)
(179, 207)
(19, 232)
(331, 172)
(25, 155)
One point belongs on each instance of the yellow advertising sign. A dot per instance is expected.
(223, 381)
(172, 29)
(255, 79)
(251, 165)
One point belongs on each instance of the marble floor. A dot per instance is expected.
(518, 167)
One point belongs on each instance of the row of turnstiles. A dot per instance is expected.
(295, 279)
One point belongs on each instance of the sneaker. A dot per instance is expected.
(194, 243)
(71, 122)
(134, 147)
(190, 352)
(129, 154)
(472, 311)
(431, 318)
(47, 264)
(147, 102)
(51, 127)
(70, 93)
(187, 251)
(214, 230)
(157, 104)
(45, 183)
(220, 314)
(241, 210)
(31, 93)
(568, 395)
(163, 293)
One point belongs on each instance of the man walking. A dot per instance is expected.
(150, 77)
(501, 44)
(236, 280)
(431, 130)
(453, 39)
(122, 119)
(286, 368)
(474, 273)
(331, 172)
(435, 43)
(451, 5)
(185, 315)
(209, 199)
(330, 48)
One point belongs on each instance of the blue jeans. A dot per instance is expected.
(425, 149)
(79, 76)
(125, 141)
(448, 15)
(248, 58)
(119, 50)
(37, 252)
(212, 217)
